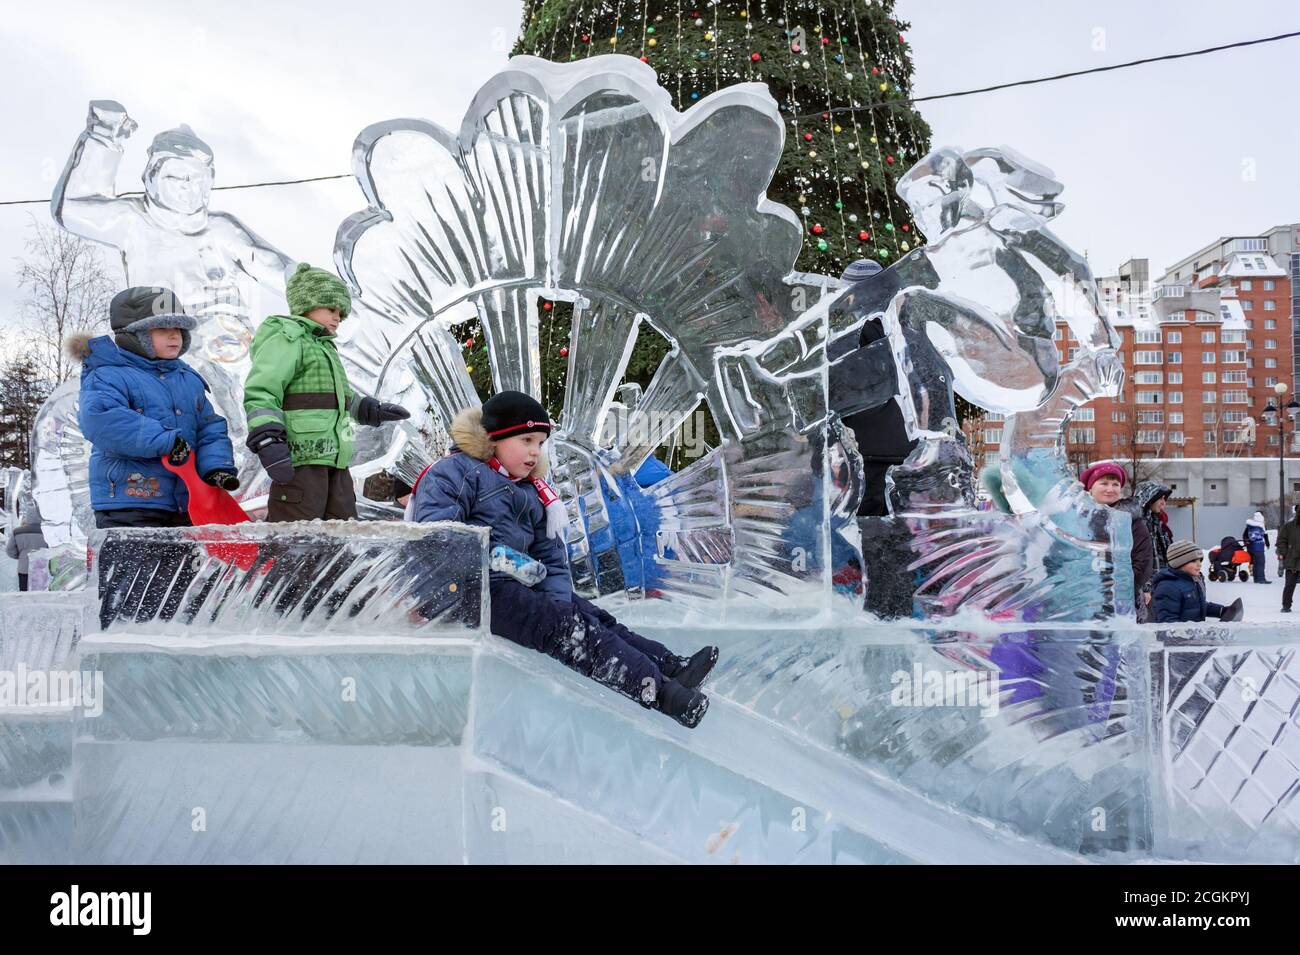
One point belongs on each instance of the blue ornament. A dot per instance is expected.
(695, 96)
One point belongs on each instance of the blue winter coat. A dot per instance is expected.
(132, 410)
(1179, 598)
(464, 487)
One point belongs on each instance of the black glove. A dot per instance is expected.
(225, 480)
(179, 452)
(373, 413)
(1233, 612)
(270, 443)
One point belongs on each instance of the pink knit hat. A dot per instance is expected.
(1099, 471)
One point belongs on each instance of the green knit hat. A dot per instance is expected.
(310, 288)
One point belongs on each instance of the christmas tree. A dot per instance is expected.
(841, 76)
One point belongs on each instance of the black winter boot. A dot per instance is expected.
(691, 671)
(687, 706)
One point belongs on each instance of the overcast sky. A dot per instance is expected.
(1157, 160)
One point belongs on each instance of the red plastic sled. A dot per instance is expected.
(214, 505)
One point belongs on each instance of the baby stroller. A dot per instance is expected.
(1230, 559)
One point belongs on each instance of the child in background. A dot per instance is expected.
(298, 403)
(1179, 592)
(493, 478)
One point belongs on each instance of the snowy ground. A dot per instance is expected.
(8, 573)
(1263, 602)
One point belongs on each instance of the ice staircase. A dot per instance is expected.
(340, 728)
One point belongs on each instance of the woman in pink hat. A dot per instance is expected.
(1105, 482)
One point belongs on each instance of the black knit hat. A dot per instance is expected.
(135, 311)
(511, 413)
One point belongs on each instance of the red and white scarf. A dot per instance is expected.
(557, 517)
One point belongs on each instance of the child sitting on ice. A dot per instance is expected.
(493, 478)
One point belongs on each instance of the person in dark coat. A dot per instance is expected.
(1151, 498)
(1256, 540)
(1288, 557)
(1105, 483)
(1179, 594)
(24, 539)
(495, 478)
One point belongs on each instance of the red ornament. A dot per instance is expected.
(469, 343)
(547, 306)
(889, 159)
(795, 48)
(564, 353)
(755, 57)
(875, 71)
(901, 39)
(817, 228)
(586, 38)
(825, 41)
(826, 115)
(807, 137)
(906, 227)
(864, 235)
(644, 60)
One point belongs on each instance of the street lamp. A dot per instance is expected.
(1292, 409)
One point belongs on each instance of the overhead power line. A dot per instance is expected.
(889, 104)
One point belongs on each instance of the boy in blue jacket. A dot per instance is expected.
(1179, 594)
(139, 402)
(493, 478)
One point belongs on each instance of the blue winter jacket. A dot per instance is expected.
(464, 487)
(1179, 597)
(132, 410)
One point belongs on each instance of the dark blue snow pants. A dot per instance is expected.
(581, 636)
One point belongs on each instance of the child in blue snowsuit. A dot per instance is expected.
(139, 403)
(493, 478)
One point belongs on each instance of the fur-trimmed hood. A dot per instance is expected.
(77, 345)
(470, 437)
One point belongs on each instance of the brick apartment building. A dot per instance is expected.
(1202, 348)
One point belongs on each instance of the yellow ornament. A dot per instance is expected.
(838, 129)
(873, 140)
(708, 35)
(812, 154)
(906, 246)
(653, 42)
(744, 13)
(613, 40)
(884, 85)
(865, 164)
(470, 369)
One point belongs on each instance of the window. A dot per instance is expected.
(1270, 362)
(1147, 378)
(992, 435)
(1235, 398)
(1117, 416)
(1247, 305)
(1175, 397)
(1270, 343)
(1074, 353)
(1147, 338)
(1249, 324)
(1233, 337)
(1152, 436)
(1245, 285)
(1207, 378)
(1151, 417)
(1272, 439)
(1268, 285)
(1210, 438)
(1175, 358)
(1208, 417)
(1250, 245)
(1207, 358)
(1085, 414)
(994, 416)
(1235, 377)
(1175, 338)
(1175, 377)
(1148, 398)
(1270, 305)
(1056, 335)
(1270, 323)
(1148, 358)
(1175, 417)
(1232, 357)
(1207, 338)
(1208, 397)
(1083, 435)
(1232, 417)
(1207, 317)
(1176, 437)
(1270, 382)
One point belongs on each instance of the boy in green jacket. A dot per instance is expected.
(298, 403)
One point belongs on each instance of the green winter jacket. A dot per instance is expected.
(298, 380)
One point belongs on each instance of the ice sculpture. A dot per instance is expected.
(580, 182)
(227, 277)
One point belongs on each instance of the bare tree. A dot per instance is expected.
(68, 290)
